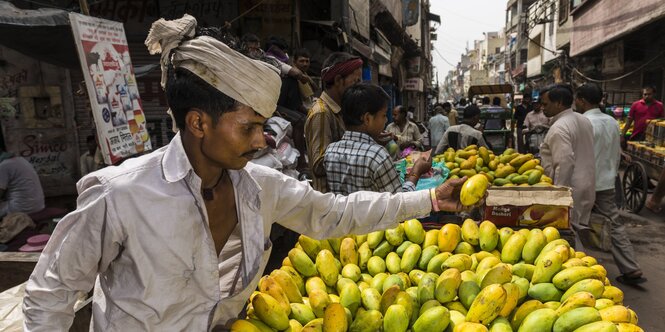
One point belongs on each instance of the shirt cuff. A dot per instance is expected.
(416, 204)
(408, 186)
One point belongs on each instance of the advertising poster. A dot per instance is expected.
(111, 86)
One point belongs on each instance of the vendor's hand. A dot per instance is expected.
(448, 195)
(421, 166)
(384, 137)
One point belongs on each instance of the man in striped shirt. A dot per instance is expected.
(357, 162)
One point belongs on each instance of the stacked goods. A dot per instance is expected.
(508, 169)
(468, 278)
(655, 132)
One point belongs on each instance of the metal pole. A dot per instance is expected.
(84, 7)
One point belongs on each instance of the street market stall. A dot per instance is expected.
(514, 271)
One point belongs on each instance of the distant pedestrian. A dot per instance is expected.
(641, 111)
(607, 153)
(453, 115)
(438, 123)
(520, 115)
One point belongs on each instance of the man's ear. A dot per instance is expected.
(339, 80)
(194, 122)
(365, 118)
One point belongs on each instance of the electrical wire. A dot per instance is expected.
(442, 58)
(576, 71)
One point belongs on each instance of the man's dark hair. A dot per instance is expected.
(462, 101)
(650, 87)
(362, 98)
(277, 41)
(591, 93)
(486, 100)
(301, 53)
(496, 101)
(250, 38)
(447, 106)
(471, 111)
(333, 59)
(559, 93)
(185, 91)
(90, 138)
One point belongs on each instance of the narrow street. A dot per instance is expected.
(647, 233)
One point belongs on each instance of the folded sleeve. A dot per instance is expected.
(83, 244)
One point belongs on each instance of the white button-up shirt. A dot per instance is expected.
(140, 235)
(567, 156)
(606, 148)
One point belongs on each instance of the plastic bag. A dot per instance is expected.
(436, 176)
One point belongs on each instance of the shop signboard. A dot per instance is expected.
(414, 84)
(111, 86)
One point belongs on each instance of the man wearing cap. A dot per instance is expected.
(177, 240)
(324, 123)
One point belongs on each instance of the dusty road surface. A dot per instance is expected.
(647, 233)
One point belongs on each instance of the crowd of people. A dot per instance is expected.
(206, 211)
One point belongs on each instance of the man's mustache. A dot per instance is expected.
(250, 154)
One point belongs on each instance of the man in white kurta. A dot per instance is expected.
(146, 234)
(607, 154)
(567, 152)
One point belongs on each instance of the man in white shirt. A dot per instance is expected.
(20, 188)
(177, 240)
(535, 118)
(567, 152)
(607, 152)
(438, 123)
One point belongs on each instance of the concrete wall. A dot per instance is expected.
(602, 21)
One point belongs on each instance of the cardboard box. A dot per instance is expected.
(533, 207)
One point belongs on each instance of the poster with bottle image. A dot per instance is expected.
(111, 86)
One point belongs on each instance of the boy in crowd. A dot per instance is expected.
(357, 162)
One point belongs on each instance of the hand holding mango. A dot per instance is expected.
(448, 195)
(474, 189)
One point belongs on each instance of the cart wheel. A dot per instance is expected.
(635, 187)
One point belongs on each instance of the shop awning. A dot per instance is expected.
(44, 34)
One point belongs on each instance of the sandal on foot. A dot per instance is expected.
(631, 278)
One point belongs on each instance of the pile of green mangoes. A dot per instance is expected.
(508, 169)
(468, 278)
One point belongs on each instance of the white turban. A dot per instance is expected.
(251, 82)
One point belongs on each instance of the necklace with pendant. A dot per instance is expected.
(209, 193)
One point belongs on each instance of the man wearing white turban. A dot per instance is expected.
(177, 239)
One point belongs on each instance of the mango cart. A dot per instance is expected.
(647, 163)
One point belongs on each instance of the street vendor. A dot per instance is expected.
(177, 239)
